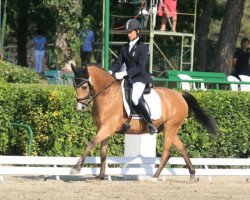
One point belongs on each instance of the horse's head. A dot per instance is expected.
(90, 83)
(83, 87)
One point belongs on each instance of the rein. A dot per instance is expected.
(104, 89)
(91, 95)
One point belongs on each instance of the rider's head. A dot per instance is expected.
(132, 28)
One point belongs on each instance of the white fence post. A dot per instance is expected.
(57, 177)
(209, 177)
(139, 145)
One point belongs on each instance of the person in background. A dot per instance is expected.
(132, 61)
(87, 47)
(167, 9)
(39, 43)
(241, 58)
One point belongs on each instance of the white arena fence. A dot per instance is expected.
(58, 166)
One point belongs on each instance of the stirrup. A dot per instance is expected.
(152, 129)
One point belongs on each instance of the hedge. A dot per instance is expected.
(16, 74)
(59, 130)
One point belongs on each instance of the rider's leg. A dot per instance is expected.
(138, 89)
(145, 115)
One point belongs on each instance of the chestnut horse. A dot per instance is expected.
(97, 85)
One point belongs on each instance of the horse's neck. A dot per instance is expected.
(107, 93)
(100, 79)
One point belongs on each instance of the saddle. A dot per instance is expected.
(150, 99)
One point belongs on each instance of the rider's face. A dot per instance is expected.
(132, 35)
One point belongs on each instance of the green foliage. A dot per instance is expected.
(231, 111)
(59, 130)
(4, 129)
(16, 74)
(67, 14)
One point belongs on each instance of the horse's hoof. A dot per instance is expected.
(74, 171)
(193, 179)
(153, 179)
(100, 177)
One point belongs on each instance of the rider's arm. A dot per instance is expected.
(116, 66)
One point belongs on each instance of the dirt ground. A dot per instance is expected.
(35, 188)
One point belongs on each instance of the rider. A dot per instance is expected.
(134, 55)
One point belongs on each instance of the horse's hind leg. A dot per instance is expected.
(181, 148)
(164, 159)
(104, 145)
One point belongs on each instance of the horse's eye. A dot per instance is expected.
(84, 87)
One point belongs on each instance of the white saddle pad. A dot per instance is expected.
(153, 101)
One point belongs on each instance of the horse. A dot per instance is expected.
(94, 84)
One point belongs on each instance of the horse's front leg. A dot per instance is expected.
(104, 145)
(77, 167)
(101, 136)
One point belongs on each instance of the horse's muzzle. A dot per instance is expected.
(81, 107)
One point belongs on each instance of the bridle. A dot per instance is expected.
(91, 96)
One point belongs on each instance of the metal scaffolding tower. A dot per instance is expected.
(186, 55)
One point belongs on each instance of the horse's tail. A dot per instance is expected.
(206, 121)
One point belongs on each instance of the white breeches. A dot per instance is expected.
(138, 89)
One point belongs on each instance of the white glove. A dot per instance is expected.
(120, 75)
(110, 72)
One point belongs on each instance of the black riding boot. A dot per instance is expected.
(144, 113)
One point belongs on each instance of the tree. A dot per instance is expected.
(22, 32)
(67, 15)
(229, 32)
(202, 33)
